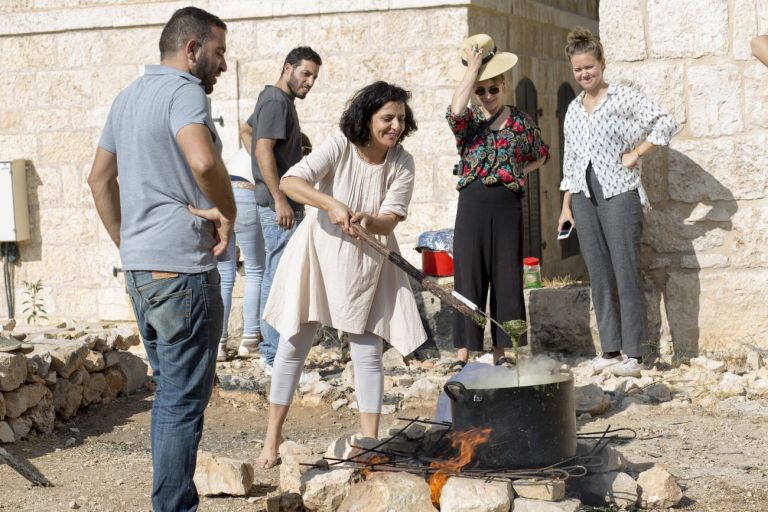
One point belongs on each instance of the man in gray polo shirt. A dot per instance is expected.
(170, 215)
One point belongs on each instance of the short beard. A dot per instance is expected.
(206, 80)
(293, 87)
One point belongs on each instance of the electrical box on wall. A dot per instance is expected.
(14, 213)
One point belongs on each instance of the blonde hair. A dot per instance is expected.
(581, 40)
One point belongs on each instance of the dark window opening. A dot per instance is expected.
(570, 246)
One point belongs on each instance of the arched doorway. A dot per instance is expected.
(527, 100)
(570, 246)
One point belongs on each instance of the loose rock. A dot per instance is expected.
(6, 433)
(293, 455)
(325, 490)
(114, 384)
(591, 399)
(43, 415)
(732, 385)
(221, 475)
(474, 495)
(13, 370)
(658, 488)
(66, 356)
(134, 370)
(94, 361)
(392, 359)
(529, 505)
(607, 489)
(385, 492)
(25, 397)
(67, 398)
(547, 490)
(20, 426)
(705, 363)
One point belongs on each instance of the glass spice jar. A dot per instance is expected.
(531, 272)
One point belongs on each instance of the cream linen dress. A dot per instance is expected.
(330, 277)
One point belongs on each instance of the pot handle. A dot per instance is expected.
(454, 389)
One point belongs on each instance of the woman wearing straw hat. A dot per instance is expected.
(498, 145)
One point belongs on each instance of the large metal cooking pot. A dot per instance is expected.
(533, 424)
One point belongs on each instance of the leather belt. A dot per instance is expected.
(243, 184)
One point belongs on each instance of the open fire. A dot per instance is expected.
(464, 443)
(439, 453)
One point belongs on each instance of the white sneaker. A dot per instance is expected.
(266, 368)
(221, 353)
(629, 367)
(247, 352)
(600, 363)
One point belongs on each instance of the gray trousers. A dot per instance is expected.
(609, 233)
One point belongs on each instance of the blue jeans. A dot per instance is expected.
(275, 240)
(251, 242)
(180, 320)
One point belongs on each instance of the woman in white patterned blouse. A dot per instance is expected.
(608, 128)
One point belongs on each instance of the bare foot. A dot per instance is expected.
(268, 459)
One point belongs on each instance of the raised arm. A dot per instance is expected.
(760, 48)
(464, 88)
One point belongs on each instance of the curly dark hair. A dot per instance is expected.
(366, 102)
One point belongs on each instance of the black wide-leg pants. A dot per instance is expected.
(488, 252)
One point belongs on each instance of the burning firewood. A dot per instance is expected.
(463, 442)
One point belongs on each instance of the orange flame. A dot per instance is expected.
(375, 459)
(466, 442)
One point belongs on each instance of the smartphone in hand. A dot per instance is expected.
(566, 231)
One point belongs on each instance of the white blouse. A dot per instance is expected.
(623, 119)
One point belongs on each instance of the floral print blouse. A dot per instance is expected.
(495, 156)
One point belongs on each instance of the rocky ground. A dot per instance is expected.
(707, 422)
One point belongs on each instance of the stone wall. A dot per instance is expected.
(64, 62)
(60, 370)
(704, 244)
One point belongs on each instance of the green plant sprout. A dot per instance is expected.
(34, 308)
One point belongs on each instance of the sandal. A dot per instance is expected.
(505, 362)
(457, 365)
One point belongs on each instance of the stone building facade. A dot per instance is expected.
(705, 242)
(66, 60)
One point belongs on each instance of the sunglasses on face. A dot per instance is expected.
(493, 90)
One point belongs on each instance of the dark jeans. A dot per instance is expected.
(180, 317)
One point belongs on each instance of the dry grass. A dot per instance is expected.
(559, 282)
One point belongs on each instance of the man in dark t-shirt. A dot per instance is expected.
(275, 148)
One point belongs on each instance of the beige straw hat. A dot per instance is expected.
(494, 61)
